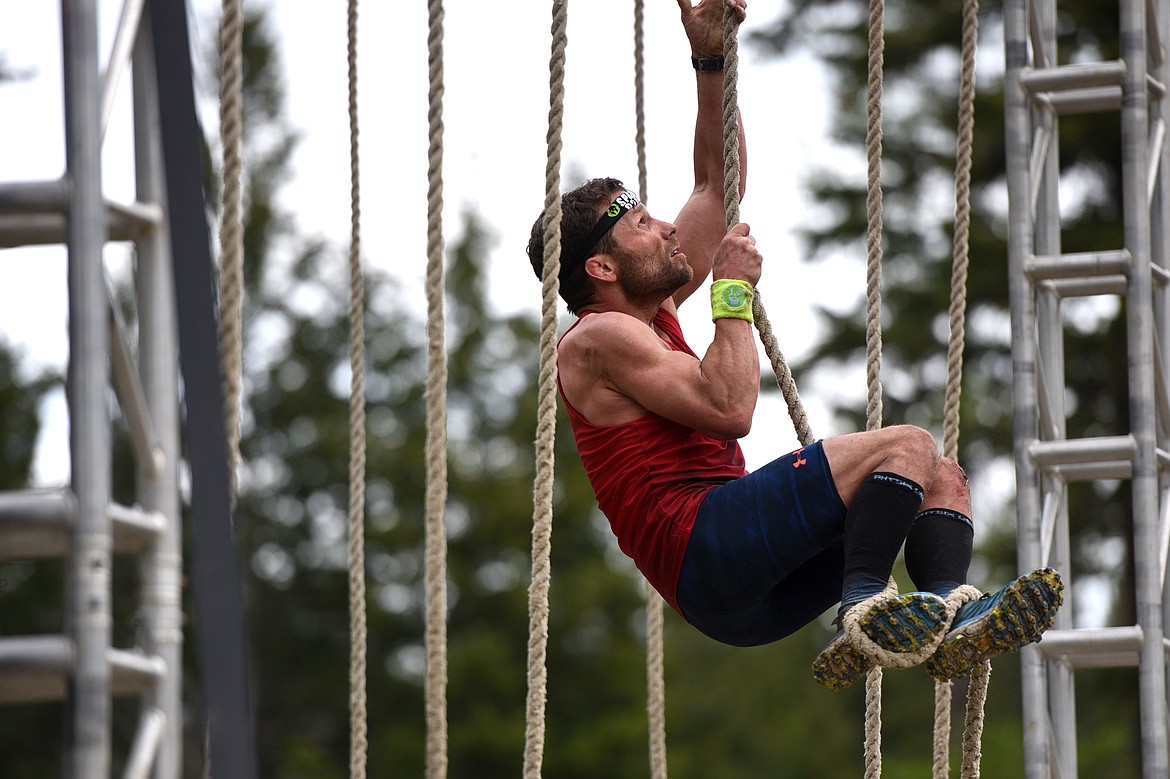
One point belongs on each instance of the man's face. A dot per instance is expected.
(650, 265)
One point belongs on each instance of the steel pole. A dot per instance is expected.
(88, 564)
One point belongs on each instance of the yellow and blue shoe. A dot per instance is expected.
(905, 623)
(1002, 621)
(898, 625)
(840, 664)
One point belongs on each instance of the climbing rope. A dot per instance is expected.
(873, 757)
(873, 212)
(655, 662)
(980, 676)
(436, 445)
(231, 233)
(873, 322)
(784, 378)
(357, 435)
(640, 97)
(731, 176)
(546, 410)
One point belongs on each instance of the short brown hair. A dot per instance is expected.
(579, 213)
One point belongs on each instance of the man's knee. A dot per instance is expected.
(916, 443)
(950, 479)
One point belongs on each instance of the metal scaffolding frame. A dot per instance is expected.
(1038, 91)
(80, 523)
(176, 339)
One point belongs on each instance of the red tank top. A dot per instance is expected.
(650, 475)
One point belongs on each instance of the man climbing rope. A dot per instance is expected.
(748, 558)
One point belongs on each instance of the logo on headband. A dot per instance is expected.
(623, 202)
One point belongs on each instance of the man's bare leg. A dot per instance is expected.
(884, 478)
(938, 552)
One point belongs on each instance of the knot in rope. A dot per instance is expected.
(884, 658)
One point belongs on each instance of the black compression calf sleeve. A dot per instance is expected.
(879, 517)
(938, 550)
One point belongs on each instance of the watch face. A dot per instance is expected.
(734, 296)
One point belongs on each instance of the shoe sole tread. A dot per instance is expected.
(903, 623)
(1026, 609)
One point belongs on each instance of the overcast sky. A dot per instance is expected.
(495, 112)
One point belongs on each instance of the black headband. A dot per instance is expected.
(625, 201)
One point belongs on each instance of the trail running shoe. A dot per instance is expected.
(900, 624)
(840, 664)
(905, 623)
(1003, 621)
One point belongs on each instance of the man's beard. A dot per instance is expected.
(643, 281)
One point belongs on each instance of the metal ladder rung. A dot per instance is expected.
(134, 528)
(1082, 451)
(1078, 265)
(1114, 647)
(1065, 78)
(1095, 471)
(28, 197)
(1082, 101)
(1104, 285)
(1092, 101)
(41, 220)
(1084, 288)
(36, 524)
(35, 668)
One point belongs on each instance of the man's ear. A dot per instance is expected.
(601, 267)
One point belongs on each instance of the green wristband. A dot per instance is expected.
(731, 299)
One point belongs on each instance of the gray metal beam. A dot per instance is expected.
(162, 566)
(39, 524)
(88, 613)
(38, 668)
(1038, 91)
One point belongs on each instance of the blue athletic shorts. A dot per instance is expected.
(766, 556)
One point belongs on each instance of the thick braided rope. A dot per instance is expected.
(973, 733)
(958, 303)
(955, 346)
(542, 515)
(940, 767)
(731, 204)
(436, 445)
(731, 117)
(231, 232)
(873, 323)
(655, 683)
(358, 742)
(655, 663)
(851, 623)
(981, 674)
(873, 723)
(873, 208)
(783, 374)
(640, 96)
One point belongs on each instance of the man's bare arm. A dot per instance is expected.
(702, 222)
(715, 395)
